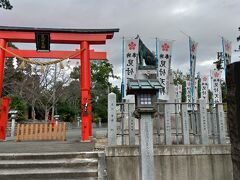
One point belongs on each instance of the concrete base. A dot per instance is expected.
(178, 162)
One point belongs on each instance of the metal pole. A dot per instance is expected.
(191, 73)
(122, 85)
(123, 92)
(224, 58)
(157, 52)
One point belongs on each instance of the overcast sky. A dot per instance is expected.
(204, 20)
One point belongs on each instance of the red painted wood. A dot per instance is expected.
(4, 117)
(83, 38)
(61, 38)
(2, 62)
(54, 54)
(86, 115)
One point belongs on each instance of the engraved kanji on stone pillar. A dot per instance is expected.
(112, 124)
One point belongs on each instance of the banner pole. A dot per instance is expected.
(122, 85)
(191, 73)
(224, 59)
(157, 52)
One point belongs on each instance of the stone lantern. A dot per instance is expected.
(145, 92)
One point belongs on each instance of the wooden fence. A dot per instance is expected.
(41, 132)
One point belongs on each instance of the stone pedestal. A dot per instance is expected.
(12, 127)
(146, 147)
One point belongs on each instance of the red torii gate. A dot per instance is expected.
(83, 37)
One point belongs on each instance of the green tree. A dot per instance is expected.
(180, 78)
(66, 111)
(18, 103)
(101, 72)
(116, 90)
(75, 74)
(69, 98)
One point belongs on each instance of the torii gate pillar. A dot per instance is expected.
(4, 104)
(86, 107)
(2, 62)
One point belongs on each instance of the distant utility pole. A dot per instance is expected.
(238, 39)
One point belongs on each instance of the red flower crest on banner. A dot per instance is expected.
(165, 47)
(193, 48)
(216, 74)
(131, 46)
(205, 78)
(227, 47)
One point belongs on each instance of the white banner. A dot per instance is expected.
(189, 98)
(204, 89)
(188, 95)
(130, 63)
(164, 64)
(196, 91)
(216, 86)
(227, 50)
(131, 57)
(193, 52)
(178, 91)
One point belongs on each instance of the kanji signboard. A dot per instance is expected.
(42, 41)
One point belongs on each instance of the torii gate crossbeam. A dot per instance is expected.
(83, 37)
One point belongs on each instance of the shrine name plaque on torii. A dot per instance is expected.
(47, 36)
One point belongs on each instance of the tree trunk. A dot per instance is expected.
(33, 114)
(46, 113)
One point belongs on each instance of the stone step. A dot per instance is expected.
(48, 173)
(57, 155)
(73, 162)
(59, 178)
(60, 165)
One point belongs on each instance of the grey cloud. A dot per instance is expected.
(205, 21)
